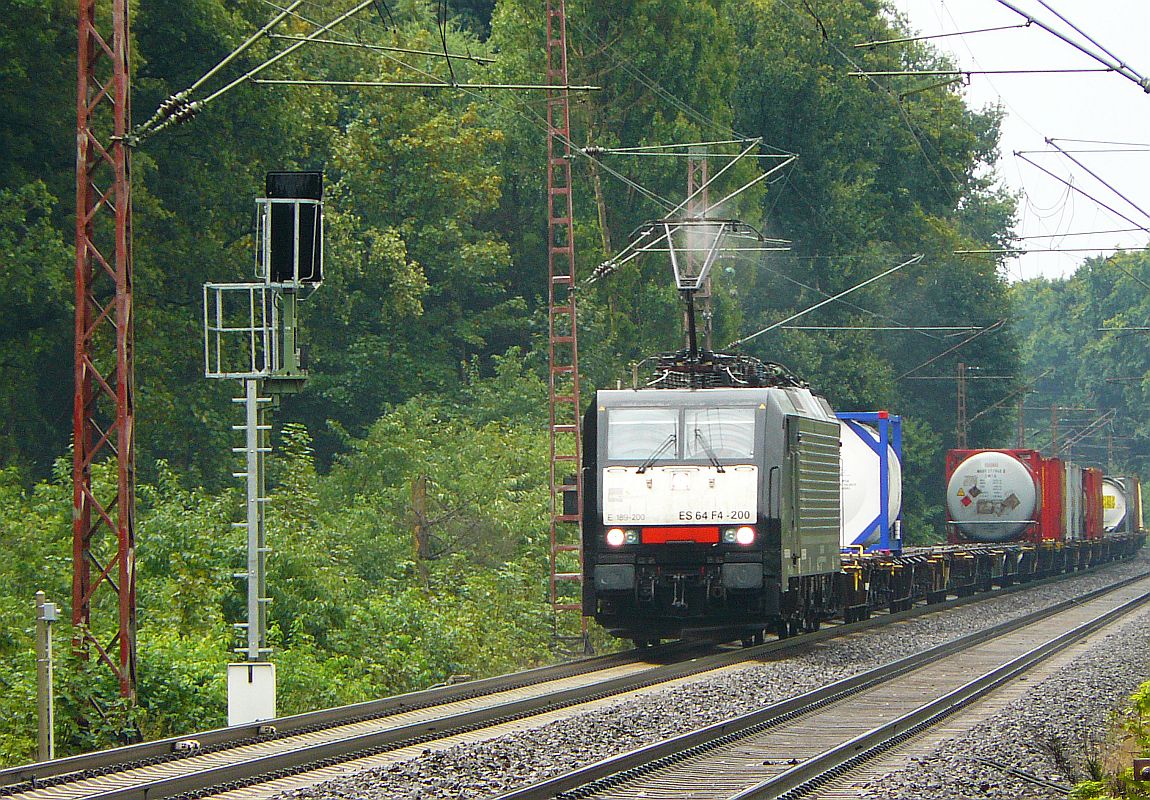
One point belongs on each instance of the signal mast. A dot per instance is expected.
(251, 334)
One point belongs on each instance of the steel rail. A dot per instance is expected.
(43, 773)
(609, 772)
(361, 745)
(810, 774)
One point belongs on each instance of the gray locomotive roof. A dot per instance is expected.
(684, 398)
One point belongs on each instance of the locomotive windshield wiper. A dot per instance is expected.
(651, 459)
(714, 459)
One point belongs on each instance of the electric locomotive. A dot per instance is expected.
(711, 502)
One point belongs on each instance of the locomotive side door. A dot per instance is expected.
(810, 535)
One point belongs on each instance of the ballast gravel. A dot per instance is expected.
(486, 769)
(1046, 737)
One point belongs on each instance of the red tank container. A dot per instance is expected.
(1046, 477)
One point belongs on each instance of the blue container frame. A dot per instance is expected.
(889, 427)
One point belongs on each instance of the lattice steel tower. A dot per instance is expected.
(103, 422)
(566, 482)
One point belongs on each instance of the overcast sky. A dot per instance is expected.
(1102, 107)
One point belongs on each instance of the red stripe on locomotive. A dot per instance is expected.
(700, 534)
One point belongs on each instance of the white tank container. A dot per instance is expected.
(992, 497)
(1115, 504)
(861, 478)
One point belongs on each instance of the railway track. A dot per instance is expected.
(229, 759)
(792, 748)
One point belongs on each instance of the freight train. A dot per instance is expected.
(715, 500)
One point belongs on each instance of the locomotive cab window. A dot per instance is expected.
(641, 433)
(722, 432)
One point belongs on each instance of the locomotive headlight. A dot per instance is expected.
(616, 537)
(728, 535)
(632, 537)
(745, 535)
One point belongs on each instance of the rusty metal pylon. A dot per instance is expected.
(103, 522)
(566, 482)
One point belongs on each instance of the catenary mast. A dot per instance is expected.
(103, 423)
(566, 483)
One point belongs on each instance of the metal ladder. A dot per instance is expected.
(566, 482)
(257, 444)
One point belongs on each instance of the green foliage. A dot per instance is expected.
(357, 610)
(35, 326)
(1130, 737)
(1076, 364)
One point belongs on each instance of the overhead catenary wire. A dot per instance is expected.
(907, 328)
(435, 83)
(1108, 61)
(1024, 389)
(421, 85)
(182, 109)
(1011, 251)
(1076, 233)
(751, 144)
(289, 50)
(676, 146)
(842, 301)
(922, 73)
(638, 246)
(677, 103)
(967, 378)
(908, 39)
(1082, 33)
(1020, 252)
(1020, 154)
(523, 110)
(385, 48)
(991, 327)
(1142, 145)
(175, 102)
(929, 161)
(914, 260)
(1106, 150)
(537, 119)
(1098, 178)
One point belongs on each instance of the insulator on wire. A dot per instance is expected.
(602, 271)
